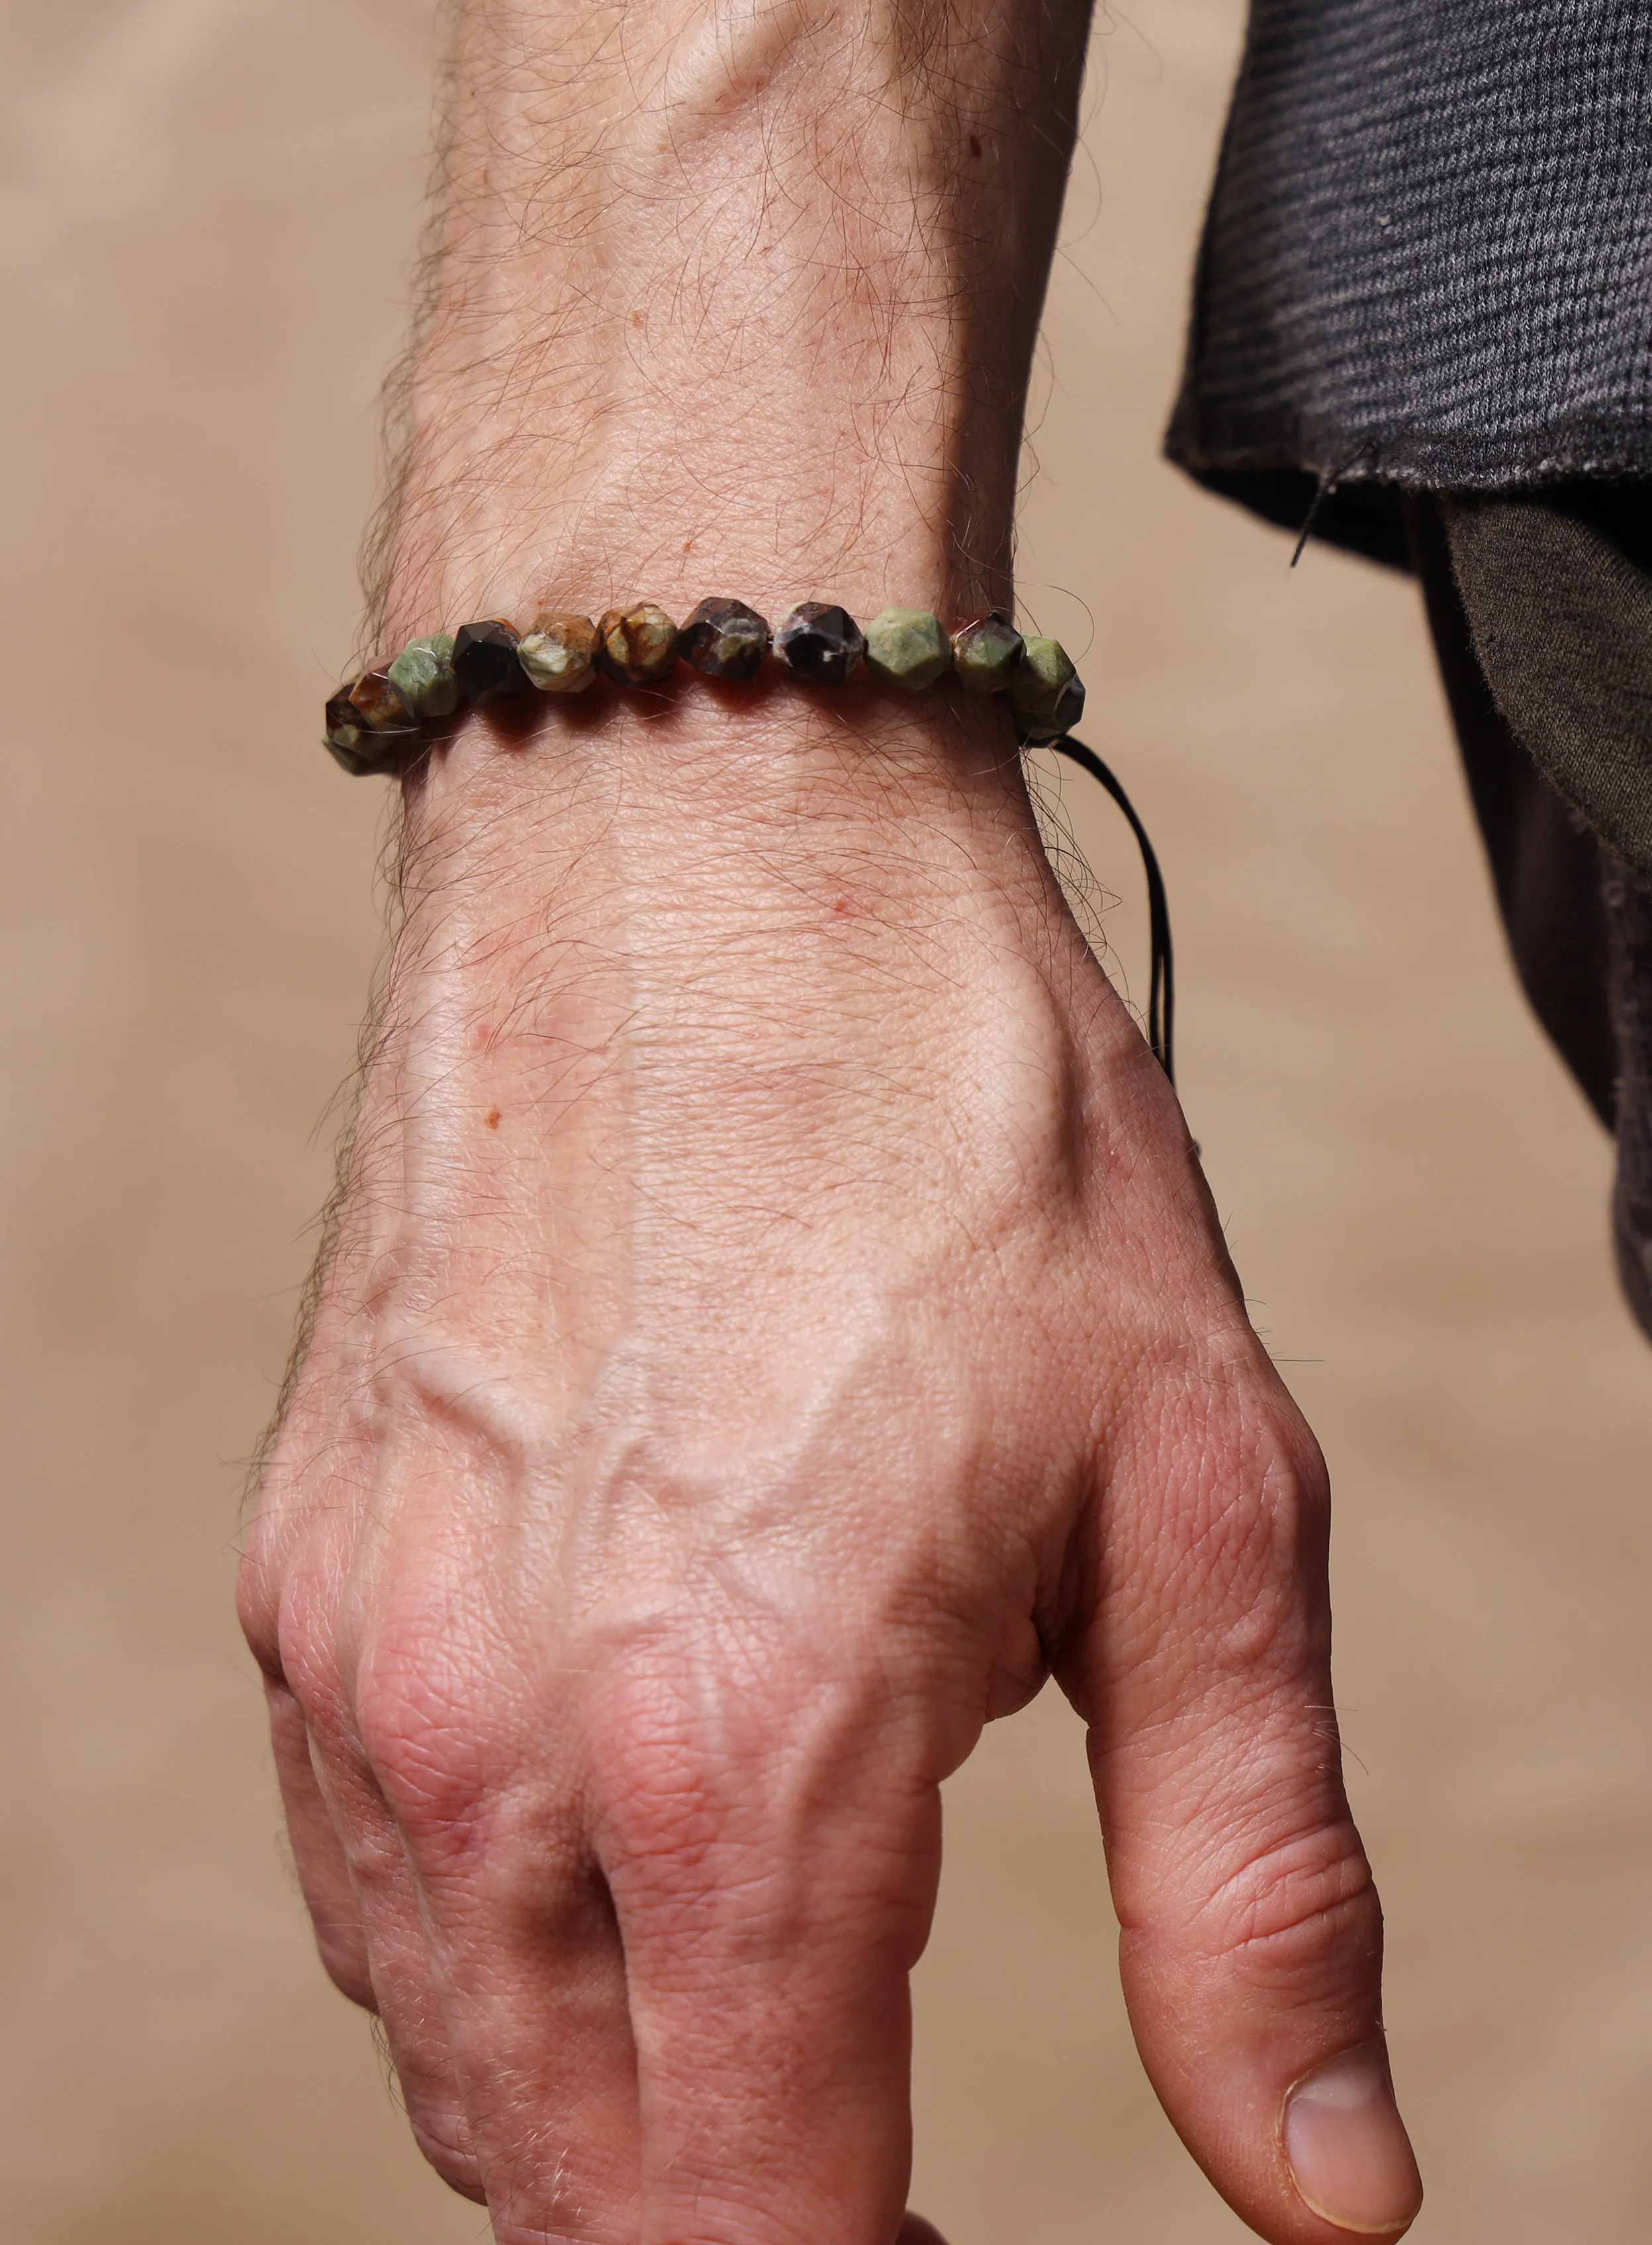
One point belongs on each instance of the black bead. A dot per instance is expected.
(724, 639)
(820, 643)
(485, 660)
(1039, 732)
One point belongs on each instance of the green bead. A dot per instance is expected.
(1042, 678)
(906, 647)
(986, 653)
(424, 674)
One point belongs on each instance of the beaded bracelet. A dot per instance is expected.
(373, 723)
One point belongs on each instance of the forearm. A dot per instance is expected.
(734, 300)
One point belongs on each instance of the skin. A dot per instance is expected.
(775, 1320)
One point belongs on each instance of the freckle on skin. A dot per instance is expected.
(493, 1120)
(975, 145)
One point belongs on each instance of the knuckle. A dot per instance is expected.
(736, 1810)
(306, 1662)
(1299, 1917)
(423, 1726)
(294, 1492)
(1273, 1501)
(257, 1603)
(700, 1784)
(1255, 1563)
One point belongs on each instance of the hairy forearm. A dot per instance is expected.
(733, 299)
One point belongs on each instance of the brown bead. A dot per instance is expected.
(380, 704)
(725, 639)
(637, 644)
(485, 660)
(558, 651)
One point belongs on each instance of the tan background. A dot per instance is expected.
(208, 214)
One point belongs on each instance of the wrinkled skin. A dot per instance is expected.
(776, 1320)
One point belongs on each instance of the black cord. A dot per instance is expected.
(1161, 998)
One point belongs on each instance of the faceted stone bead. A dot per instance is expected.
(383, 705)
(906, 647)
(637, 644)
(820, 643)
(1070, 708)
(348, 739)
(986, 653)
(368, 723)
(1039, 732)
(484, 661)
(423, 672)
(559, 652)
(725, 639)
(1041, 678)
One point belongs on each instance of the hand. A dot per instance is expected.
(775, 1318)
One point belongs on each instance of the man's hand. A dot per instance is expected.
(774, 1317)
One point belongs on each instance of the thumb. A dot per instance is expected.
(1251, 1934)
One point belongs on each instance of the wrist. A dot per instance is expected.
(699, 804)
(713, 961)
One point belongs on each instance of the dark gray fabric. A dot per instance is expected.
(1578, 919)
(1629, 999)
(1428, 259)
(1558, 594)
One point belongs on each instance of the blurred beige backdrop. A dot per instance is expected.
(208, 223)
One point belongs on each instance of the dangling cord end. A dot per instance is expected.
(1162, 997)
